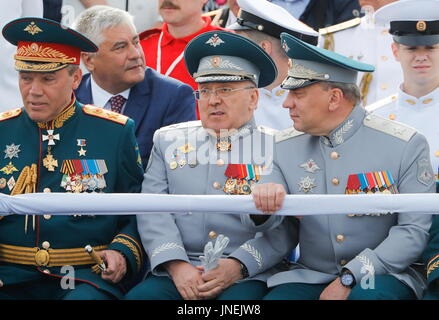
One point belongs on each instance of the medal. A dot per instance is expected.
(8, 169)
(306, 184)
(2, 183)
(51, 137)
(186, 148)
(81, 143)
(229, 186)
(11, 183)
(49, 162)
(310, 166)
(173, 165)
(12, 151)
(223, 145)
(182, 163)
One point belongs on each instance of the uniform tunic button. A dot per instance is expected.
(47, 216)
(437, 153)
(384, 58)
(334, 155)
(384, 86)
(1, 283)
(46, 271)
(339, 238)
(212, 234)
(46, 245)
(392, 116)
(343, 262)
(220, 162)
(335, 181)
(47, 190)
(217, 185)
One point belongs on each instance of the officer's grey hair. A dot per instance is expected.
(94, 20)
(350, 90)
(71, 68)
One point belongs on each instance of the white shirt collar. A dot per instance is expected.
(101, 97)
(407, 100)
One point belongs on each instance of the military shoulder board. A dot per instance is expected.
(105, 114)
(381, 103)
(10, 114)
(390, 127)
(340, 26)
(287, 134)
(182, 125)
(268, 130)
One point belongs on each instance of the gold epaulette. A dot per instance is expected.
(381, 103)
(10, 114)
(105, 114)
(211, 13)
(340, 26)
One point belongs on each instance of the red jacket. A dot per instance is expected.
(171, 49)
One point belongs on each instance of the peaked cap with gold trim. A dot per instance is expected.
(45, 45)
(412, 22)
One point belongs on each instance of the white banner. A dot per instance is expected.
(142, 203)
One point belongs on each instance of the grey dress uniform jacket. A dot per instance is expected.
(176, 236)
(383, 244)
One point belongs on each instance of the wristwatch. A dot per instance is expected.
(347, 279)
(244, 270)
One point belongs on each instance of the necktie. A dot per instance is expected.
(116, 103)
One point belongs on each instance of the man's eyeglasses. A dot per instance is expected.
(204, 94)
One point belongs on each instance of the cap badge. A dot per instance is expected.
(216, 62)
(285, 46)
(215, 41)
(300, 71)
(33, 29)
(421, 26)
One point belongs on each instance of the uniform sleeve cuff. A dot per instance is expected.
(364, 265)
(272, 222)
(165, 252)
(433, 269)
(250, 257)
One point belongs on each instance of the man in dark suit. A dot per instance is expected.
(118, 80)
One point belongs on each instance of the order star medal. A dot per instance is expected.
(310, 166)
(12, 151)
(306, 184)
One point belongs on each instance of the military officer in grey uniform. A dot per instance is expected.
(216, 156)
(415, 31)
(263, 22)
(339, 148)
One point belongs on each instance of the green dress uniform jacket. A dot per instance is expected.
(431, 254)
(363, 146)
(99, 143)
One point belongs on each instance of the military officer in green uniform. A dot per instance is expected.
(341, 149)
(55, 144)
(224, 153)
(431, 260)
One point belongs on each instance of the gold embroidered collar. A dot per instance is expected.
(58, 122)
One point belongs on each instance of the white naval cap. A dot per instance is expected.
(412, 22)
(269, 18)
